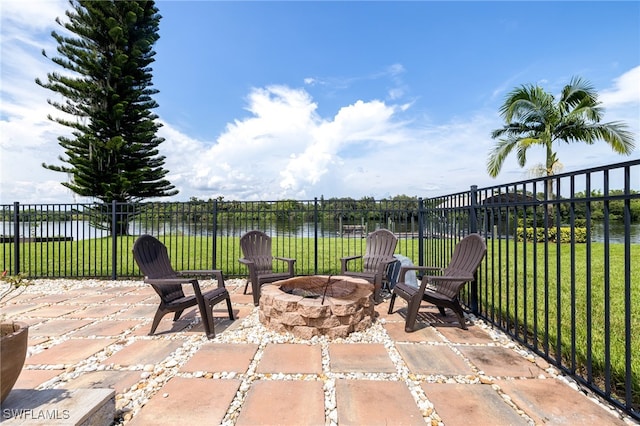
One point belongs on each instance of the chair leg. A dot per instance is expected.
(246, 286)
(206, 314)
(229, 308)
(377, 290)
(412, 314)
(442, 312)
(176, 317)
(459, 313)
(209, 327)
(156, 320)
(255, 289)
(391, 302)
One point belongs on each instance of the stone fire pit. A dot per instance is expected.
(309, 306)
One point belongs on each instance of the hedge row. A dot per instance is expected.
(551, 234)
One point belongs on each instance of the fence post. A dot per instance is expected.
(114, 241)
(473, 228)
(473, 220)
(16, 238)
(215, 233)
(315, 235)
(421, 215)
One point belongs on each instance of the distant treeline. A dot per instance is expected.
(400, 207)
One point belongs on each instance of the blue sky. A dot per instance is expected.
(272, 100)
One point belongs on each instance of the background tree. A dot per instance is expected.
(534, 117)
(112, 153)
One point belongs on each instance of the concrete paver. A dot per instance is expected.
(290, 358)
(116, 380)
(17, 310)
(143, 352)
(283, 402)
(474, 335)
(99, 311)
(31, 379)
(57, 327)
(88, 299)
(69, 352)
(500, 361)
(141, 311)
(548, 401)
(457, 404)
(106, 328)
(397, 333)
(53, 311)
(220, 357)
(372, 403)
(52, 298)
(188, 401)
(360, 358)
(433, 359)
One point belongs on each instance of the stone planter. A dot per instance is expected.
(13, 351)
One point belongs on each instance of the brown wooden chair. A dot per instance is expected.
(256, 249)
(153, 260)
(378, 255)
(442, 289)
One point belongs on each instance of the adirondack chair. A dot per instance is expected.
(256, 249)
(443, 287)
(153, 260)
(378, 255)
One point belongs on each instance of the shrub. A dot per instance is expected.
(580, 234)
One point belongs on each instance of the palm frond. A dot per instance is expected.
(497, 156)
(534, 117)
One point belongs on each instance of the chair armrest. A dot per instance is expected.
(405, 269)
(250, 264)
(199, 272)
(463, 278)
(448, 286)
(383, 265)
(170, 281)
(290, 263)
(344, 260)
(173, 281)
(216, 273)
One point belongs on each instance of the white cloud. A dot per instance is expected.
(284, 150)
(626, 90)
(30, 15)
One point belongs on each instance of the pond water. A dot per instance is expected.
(82, 230)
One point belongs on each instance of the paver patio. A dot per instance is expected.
(436, 372)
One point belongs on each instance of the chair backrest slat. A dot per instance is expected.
(153, 260)
(379, 247)
(256, 246)
(466, 258)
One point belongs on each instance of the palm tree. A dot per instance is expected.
(533, 117)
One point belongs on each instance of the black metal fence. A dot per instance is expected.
(561, 276)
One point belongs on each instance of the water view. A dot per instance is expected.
(82, 230)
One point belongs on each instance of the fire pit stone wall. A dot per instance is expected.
(337, 310)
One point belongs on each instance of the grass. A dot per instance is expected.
(527, 288)
(576, 297)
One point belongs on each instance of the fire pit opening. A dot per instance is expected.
(309, 306)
